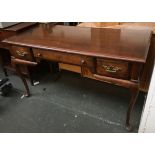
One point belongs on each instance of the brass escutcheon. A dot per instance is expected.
(111, 69)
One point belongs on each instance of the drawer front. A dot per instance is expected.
(112, 68)
(67, 58)
(22, 53)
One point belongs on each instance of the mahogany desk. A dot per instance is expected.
(109, 55)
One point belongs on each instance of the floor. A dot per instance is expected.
(70, 104)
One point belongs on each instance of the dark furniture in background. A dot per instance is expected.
(5, 51)
(5, 56)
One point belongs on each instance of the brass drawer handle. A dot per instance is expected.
(22, 54)
(39, 54)
(111, 69)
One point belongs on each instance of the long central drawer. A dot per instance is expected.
(74, 59)
(90, 65)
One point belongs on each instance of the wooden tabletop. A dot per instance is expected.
(128, 43)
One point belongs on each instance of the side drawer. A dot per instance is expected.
(22, 53)
(63, 57)
(112, 68)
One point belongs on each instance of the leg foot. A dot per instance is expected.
(129, 128)
(134, 94)
(27, 93)
(30, 76)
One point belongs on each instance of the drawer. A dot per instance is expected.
(22, 53)
(112, 68)
(63, 57)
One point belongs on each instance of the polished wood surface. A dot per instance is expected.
(148, 67)
(110, 55)
(12, 30)
(125, 44)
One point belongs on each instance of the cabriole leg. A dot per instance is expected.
(27, 93)
(134, 94)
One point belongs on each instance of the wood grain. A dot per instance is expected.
(127, 44)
